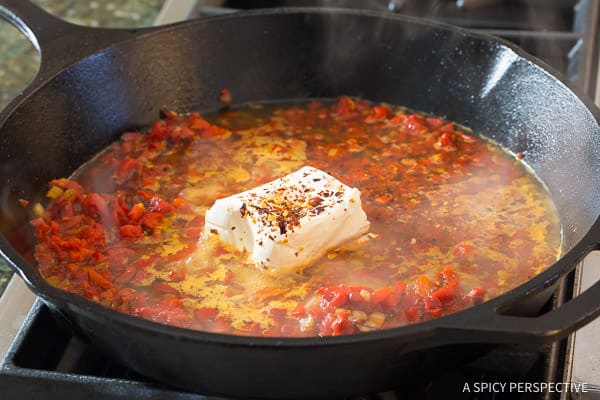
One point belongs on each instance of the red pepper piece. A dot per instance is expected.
(130, 231)
(334, 296)
(412, 313)
(434, 123)
(158, 131)
(177, 275)
(228, 277)
(205, 313)
(378, 113)
(448, 128)
(466, 138)
(414, 124)
(380, 295)
(164, 287)
(433, 306)
(128, 167)
(446, 140)
(345, 106)
(152, 220)
(445, 294)
(136, 212)
(196, 122)
(400, 287)
(335, 324)
(98, 279)
(214, 131)
(97, 207)
(395, 120)
(181, 134)
(159, 205)
(423, 286)
(476, 295)
(178, 202)
(278, 313)
(127, 275)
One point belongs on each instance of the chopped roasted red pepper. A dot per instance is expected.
(159, 205)
(130, 231)
(152, 219)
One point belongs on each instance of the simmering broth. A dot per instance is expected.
(455, 220)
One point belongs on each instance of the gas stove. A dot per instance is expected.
(41, 358)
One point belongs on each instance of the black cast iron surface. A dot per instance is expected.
(80, 103)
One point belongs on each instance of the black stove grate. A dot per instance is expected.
(46, 361)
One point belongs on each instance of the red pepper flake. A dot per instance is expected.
(520, 155)
(243, 210)
(315, 201)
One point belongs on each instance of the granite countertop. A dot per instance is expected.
(19, 61)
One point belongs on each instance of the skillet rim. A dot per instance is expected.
(63, 300)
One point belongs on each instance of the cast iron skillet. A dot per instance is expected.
(95, 83)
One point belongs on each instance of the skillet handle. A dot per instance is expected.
(536, 331)
(59, 43)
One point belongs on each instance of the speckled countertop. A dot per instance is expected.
(19, 60)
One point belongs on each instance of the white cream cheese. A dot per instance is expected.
(291, 221)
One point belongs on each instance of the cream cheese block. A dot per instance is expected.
(289, 222)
